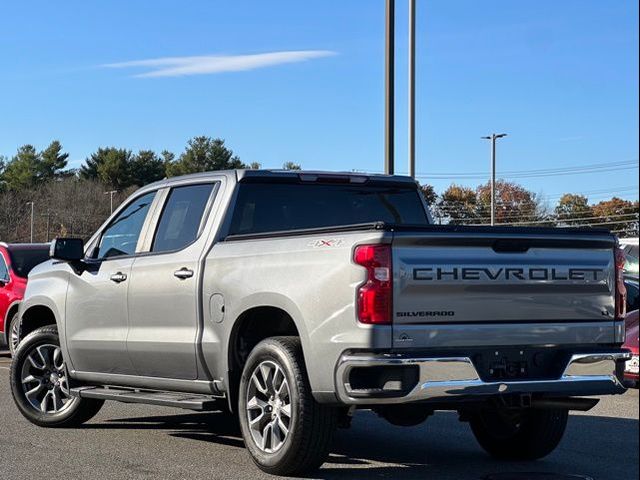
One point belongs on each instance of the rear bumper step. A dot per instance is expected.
(187, 401)
(456, 378)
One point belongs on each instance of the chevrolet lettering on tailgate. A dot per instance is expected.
(510, 273)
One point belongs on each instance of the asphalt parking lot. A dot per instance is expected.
(137, 441)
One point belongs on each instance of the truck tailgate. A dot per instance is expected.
(475, 275)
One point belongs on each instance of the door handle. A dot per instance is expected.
(118, 277)
(183, 273)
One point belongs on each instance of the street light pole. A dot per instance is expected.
(412, 88)
(111, 193)
(31, 235)
(493, 137)
(389, 87)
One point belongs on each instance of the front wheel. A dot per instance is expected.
(285, 430)
(519, 435)
(40, 383)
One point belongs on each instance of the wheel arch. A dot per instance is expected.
(250, 327)
(36, 316)
(11, 311)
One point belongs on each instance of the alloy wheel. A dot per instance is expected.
(44, 380)
(14, 335)
(268, 406)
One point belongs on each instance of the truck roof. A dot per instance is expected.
(242, 175)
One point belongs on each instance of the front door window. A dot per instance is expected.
(120, 238)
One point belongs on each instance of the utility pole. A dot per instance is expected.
(389, 87)
(412, 88)
(493, 137)
(48, 215)
(31, 236)
(111, 193)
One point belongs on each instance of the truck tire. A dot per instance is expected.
(285, 430)
(40, 386)
(13, 327)
(524, 435)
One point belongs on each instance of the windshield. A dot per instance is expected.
(23, 260)
(274, 207)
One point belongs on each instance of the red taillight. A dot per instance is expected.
(375, 295)
(621, 290)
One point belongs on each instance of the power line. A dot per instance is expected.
(587, 193)
(527, 175)
(553, 170)
(559, 220)
(597, 191)
(576, 169)
(590, 224)
(522, 210)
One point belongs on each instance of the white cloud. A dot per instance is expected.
(208, 64)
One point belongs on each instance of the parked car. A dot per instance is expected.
(633, 293)
(631, 367)
(297, 297)
(16, 261)
(630, 248)
(630, 245)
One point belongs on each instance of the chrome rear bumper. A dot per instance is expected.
(449, 378)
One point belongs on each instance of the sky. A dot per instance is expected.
(296, 81)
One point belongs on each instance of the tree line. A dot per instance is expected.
(118, 168)
(69, 201)
(515, 205)
(75, 202)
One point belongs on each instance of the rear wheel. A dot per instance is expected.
(13, 331)
(285, 430)
(40, 383)
(519, 435)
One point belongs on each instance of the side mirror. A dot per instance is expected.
(67, 249)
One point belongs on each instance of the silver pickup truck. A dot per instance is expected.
(295, 298)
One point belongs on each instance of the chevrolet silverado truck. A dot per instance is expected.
(295, 298)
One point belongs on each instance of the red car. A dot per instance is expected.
(16, 261)
(631, 369)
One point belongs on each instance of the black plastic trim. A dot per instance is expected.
(306, 231)
(444, 232)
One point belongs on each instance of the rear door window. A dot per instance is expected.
(181, 217)
(4, 270)
(23, 261)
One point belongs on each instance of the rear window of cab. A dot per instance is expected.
(273, 207)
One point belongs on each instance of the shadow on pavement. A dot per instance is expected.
(595, 446)
(601, 447)
(217, 427)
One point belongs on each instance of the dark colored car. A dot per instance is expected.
(633, 293)
(16, 261)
